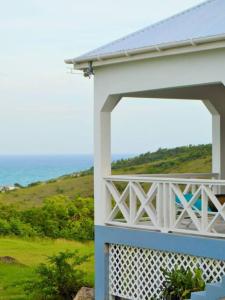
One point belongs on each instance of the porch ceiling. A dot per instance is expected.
(197, 92)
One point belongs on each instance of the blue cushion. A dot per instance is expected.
(197, 204)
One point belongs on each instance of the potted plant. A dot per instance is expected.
(179, 283)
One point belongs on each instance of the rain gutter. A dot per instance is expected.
(157, 48)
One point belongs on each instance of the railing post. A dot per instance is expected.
(193, 188)
(107, 200)
(133, 203)
(204, 212)
(166, 211)
(159, 206)
(172, 207)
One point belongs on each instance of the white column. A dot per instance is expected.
(216, 144)
(221, 151)
(102, 153)
(217, 109)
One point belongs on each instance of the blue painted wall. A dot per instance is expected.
(190, 245)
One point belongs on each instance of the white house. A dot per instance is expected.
(152, 223)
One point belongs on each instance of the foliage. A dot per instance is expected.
(34, 183)
(29, 253)
(180, 283)
(59, 217)
(62, 207)
(34, 211)
(185, 153)
(60, 278)
(18, 185)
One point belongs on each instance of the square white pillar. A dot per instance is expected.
(103, 107)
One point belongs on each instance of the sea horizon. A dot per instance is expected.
(28, 168)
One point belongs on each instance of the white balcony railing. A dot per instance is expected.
(184, 205)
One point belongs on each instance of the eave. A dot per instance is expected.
(187, 46)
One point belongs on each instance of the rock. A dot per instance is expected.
(85, 294)
(8, 260)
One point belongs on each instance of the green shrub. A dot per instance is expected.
(18, 185)
(4, 227)
(58, 217)
(18, 228)
(180, 283)
(34, 183)
(60, 278)
(59, 190)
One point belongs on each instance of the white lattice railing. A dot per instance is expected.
(136, 273)
(185, 205)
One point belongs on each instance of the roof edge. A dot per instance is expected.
(157, 48)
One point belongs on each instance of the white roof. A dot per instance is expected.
(206, 20)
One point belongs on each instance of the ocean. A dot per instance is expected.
(25, 169)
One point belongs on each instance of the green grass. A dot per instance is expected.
(29, 253)
(11, 277)
(172, 165)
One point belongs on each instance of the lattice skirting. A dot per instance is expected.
(135, 273)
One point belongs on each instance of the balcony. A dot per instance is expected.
(178, 203)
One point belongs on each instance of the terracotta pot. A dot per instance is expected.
(221, 198)
(171, 298)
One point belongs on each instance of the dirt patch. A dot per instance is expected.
(8, 260)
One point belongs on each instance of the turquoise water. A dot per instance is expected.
(24, 169)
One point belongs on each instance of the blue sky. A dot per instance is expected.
(44, 109)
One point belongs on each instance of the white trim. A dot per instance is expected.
(136, 178)
(194, 45)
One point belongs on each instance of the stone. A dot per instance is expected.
(85, 294)
(8, 260)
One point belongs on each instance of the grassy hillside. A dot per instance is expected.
(180, 160)
(35, 194)
(176, 160)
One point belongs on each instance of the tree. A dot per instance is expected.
(60, 278)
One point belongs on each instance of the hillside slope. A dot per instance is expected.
(177, 160)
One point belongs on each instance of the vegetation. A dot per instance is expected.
(63, 208)
(58, 217)
(180, 283)
(59, 279)
(167, 160)
(60, 214)
(29, 253)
